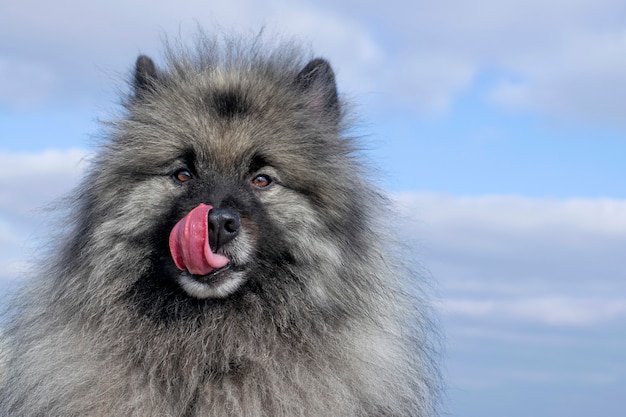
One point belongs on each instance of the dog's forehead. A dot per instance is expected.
(225, 148)
(235, 128)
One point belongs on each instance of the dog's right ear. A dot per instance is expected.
(145, 75)
(317, 81)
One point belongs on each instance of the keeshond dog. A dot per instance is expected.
(227, 254)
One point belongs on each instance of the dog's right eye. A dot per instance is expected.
(262, 181)
(183, 175)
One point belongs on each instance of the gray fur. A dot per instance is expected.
(319, 320)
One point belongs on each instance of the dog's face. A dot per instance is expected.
(233, 181)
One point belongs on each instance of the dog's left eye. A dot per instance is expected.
(262, 181)
(183, 175)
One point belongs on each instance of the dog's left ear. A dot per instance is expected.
(317, 81)
(145, 76)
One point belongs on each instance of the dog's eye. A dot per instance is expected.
(262, 181)
(182, 175)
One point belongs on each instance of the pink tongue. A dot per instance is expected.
(189, 243)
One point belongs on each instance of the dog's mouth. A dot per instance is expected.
(218, 283)
(216, 276)
(212, 277)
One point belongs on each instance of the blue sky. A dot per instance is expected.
(498, 128)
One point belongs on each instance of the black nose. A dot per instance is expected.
(224, 225)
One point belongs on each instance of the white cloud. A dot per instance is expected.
(554, 310)
(553, 262)
(16, 166)
(30, 180)
(29, 183)
(516, 216)
(583, 79)
(429, 81)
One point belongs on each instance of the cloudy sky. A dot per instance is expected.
(499, 128)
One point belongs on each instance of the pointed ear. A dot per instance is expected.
(145, 75)
(317, 80)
